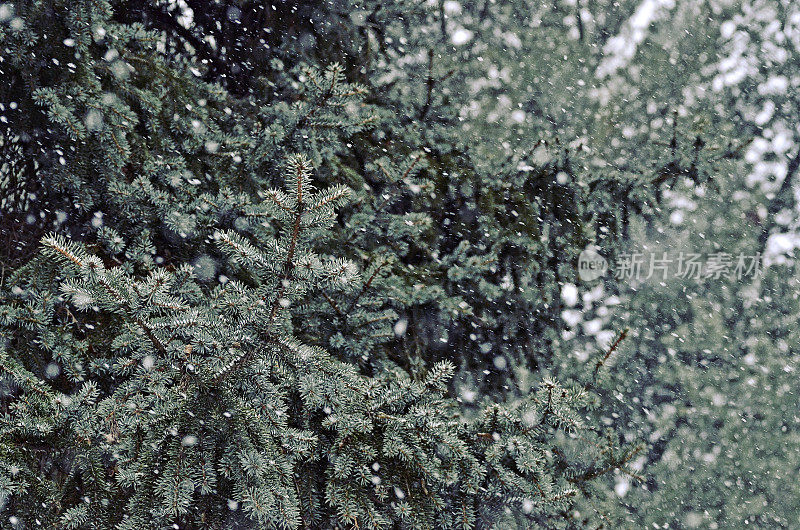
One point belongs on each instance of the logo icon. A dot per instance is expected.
(591, 265)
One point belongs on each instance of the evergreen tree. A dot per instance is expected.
(258, 278)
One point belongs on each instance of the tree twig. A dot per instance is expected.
(776, 204)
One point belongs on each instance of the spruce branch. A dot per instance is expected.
(366, 285)
(778, 202)
(288, 265)
(151, 336)
(602, 361)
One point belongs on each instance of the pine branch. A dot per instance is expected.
(601, 362)
(777, 203)
(366, 285)
(151, 336)
(288, 266)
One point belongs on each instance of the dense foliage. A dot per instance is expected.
(204, 342)
(291, 264)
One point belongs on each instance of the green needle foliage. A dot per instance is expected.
(198, 407)
(270, 297)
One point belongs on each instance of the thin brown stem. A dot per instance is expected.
(366, 285)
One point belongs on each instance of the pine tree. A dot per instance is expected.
(268, 298)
